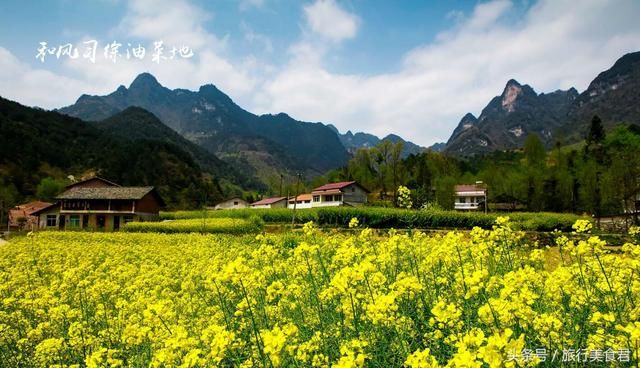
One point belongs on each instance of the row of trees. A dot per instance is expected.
(599, 176)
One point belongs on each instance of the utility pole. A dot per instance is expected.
(281, 181)
(295, 199)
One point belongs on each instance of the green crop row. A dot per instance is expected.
(205, 225)
(376, 217)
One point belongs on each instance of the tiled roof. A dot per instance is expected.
(469, 188)
(81, 182)
(268, 201)
(330, 191)
(302, 197)
(106, 193)
(29, 208)
(330, 186)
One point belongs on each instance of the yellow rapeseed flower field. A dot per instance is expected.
(316, 299)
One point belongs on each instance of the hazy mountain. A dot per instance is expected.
(268, 145)
(352, 142)
(438, 147)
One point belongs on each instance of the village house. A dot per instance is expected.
(99, 204)
(21, 217)
(346, 193)
(274, 202)
(471, 197)
(232, 203)
(301, 201)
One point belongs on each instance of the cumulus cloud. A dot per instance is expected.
(557, 44)
(328, 20)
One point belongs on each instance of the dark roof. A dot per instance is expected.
(340, 185)
(106, 193)
(92, 178)
(269, 201)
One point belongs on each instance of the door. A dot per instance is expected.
(61, 223)
(100, 221)
(116, 222)
(85, 221)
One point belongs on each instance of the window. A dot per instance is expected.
(235, 203)
(51, 220)
(337, 197)
(127, 218)
(462, 200)
(328, 198)
(74, 221)
(353, 189)
(316, 198)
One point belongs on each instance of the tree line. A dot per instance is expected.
(599, 176)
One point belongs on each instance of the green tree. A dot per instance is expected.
(49, 188)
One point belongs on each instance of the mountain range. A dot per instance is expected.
(562, 116)
(264, 146)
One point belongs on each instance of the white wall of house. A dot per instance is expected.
(301, 204)
(49, 219)
(234, 203)
(468, 201)
(326, 200)
(280, 204)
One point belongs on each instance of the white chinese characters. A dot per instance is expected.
(113, 51)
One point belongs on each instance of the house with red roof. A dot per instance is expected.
(273, 202)
(22, 217)
(346, 193)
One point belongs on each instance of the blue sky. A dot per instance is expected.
(413, 68)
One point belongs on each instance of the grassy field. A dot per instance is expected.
(392, 218)
(313, 298)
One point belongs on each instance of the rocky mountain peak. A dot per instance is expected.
(144, 81)
(512, 90)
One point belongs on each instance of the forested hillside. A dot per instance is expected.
(40, 149)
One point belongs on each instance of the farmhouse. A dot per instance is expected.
(470, 197)
(346, 193)
(301, 201)
(232, 203)
(274, 202)
(99, 204)
(21, 217)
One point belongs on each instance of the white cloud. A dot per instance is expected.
(330, 21)
(174, 22)
(557, 44)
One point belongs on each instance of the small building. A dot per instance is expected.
(301, 201)
(274, 202)
(346, 193)
(232, 203)
(98, 204)
(21, 217)
(470, 197)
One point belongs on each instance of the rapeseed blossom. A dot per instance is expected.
(312, 299)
